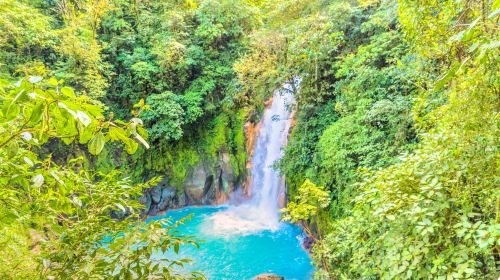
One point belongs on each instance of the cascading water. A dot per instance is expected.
(247, 239)
(261, 211)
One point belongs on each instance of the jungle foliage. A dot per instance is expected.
(57, 220)
(392, 164)
(80, 67)
(398, 118)
(177, 56)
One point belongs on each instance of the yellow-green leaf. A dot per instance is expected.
(69, 92)
(96, 144)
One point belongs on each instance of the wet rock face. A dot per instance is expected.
(158, 198)
(146, 200)
(209, 192)
(153, 210)
(181, 200)
(155, 194)
(269, 277)
(167, 198)
(227, 172)
(308, 243)
(206, 183)
(196, 183)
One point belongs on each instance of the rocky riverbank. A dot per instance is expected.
(208, 182)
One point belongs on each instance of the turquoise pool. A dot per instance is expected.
(242, 256)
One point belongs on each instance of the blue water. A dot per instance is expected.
(242, 256)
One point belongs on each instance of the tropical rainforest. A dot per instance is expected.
(392, 163)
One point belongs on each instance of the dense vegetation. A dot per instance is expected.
(167, 65)
(57, 220)
(398, 118)
(176, 55)
(392, 164)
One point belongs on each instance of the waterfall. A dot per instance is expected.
(261, 211)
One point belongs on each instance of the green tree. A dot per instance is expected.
(165, 116)
(307, 206)
(434, 214)
(56, 221)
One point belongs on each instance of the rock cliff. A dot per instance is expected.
(206, 183)
(209, 182)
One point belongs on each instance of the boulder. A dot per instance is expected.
(167, 197)
(209, 191)
(195, 183)
(207, 182)
(155, 194)
(181, 199)
(268, 276)
(227, 172)
(307, 243)
(153, 211)
(146, 200)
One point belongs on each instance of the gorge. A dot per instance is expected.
(244, 237)
(133, 132)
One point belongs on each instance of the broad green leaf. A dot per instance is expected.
(68, 140)
(53, 81)
(71, 112)
(86, 134)
(37, 113)
(10, 109)
(69, 92)
(117, 133)
(83, 118)
(12, 148)
(131, 146)
(96, 144)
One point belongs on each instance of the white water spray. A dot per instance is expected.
(261, 211)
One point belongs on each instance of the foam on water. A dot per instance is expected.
(241, 257)
(240, 220)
